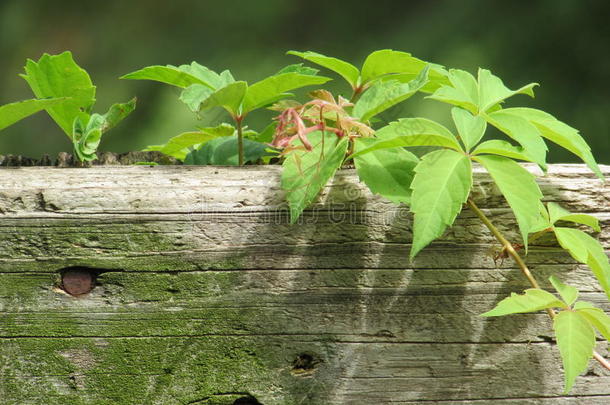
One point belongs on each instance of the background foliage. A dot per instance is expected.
(560, 44)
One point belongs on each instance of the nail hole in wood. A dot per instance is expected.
(304, 364)
(249, 400)
(78, 281)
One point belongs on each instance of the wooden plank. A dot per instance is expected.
(206, 294)
(356, 305)
(185, 369)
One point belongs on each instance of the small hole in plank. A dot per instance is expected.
(304, 364)
(78, 281)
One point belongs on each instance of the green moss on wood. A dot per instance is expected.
(133, 370)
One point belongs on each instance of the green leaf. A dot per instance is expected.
(463, 91)
(13, 112)
(383, 95)
(272, 88)
(194, 95)
(117, 113)
(225, 78)
(437, 77)
(596, 317)
(179, 145)
(412, 132)
(543, 223)
(56, 76)
(559, 133)
(266, 135)
(388, 61)
(531, 300)
(523, 132)
(545, 214)
(208, 76)
(87, 131)
(79, 131)
(492, 90)
(520, 189)
(482, 95)
(556, 213)
(441, 185)
(222, 151)
(179, 76)
(584, 219)
(576, 341)
(587, 250)
(572, 240)
(348, 71)
(305, 172)
(86, 137)
(387, 172)
(470, 128)
(229, 97)
(582, 304)
(298, 68)
(502, 148)
(568, 293)
(387, 64)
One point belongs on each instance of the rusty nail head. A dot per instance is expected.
(77, 282)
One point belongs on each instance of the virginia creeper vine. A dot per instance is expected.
(315, 138)
(508, 247)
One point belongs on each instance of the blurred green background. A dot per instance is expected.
(562, 44)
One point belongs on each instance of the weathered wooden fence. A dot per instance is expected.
(203, 294)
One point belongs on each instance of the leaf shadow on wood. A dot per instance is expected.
(422, 308)
(405, 322)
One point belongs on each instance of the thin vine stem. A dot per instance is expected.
(505, 244)
(240, 141)
(357, 92)
(508, 247)
(602, 360)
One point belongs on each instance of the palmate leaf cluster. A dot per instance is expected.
(386, 79)
(312, 140)
(577, 322)
(437, 184)
(58, 76)
(204, 89)
(66, 92)
(575, 326)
